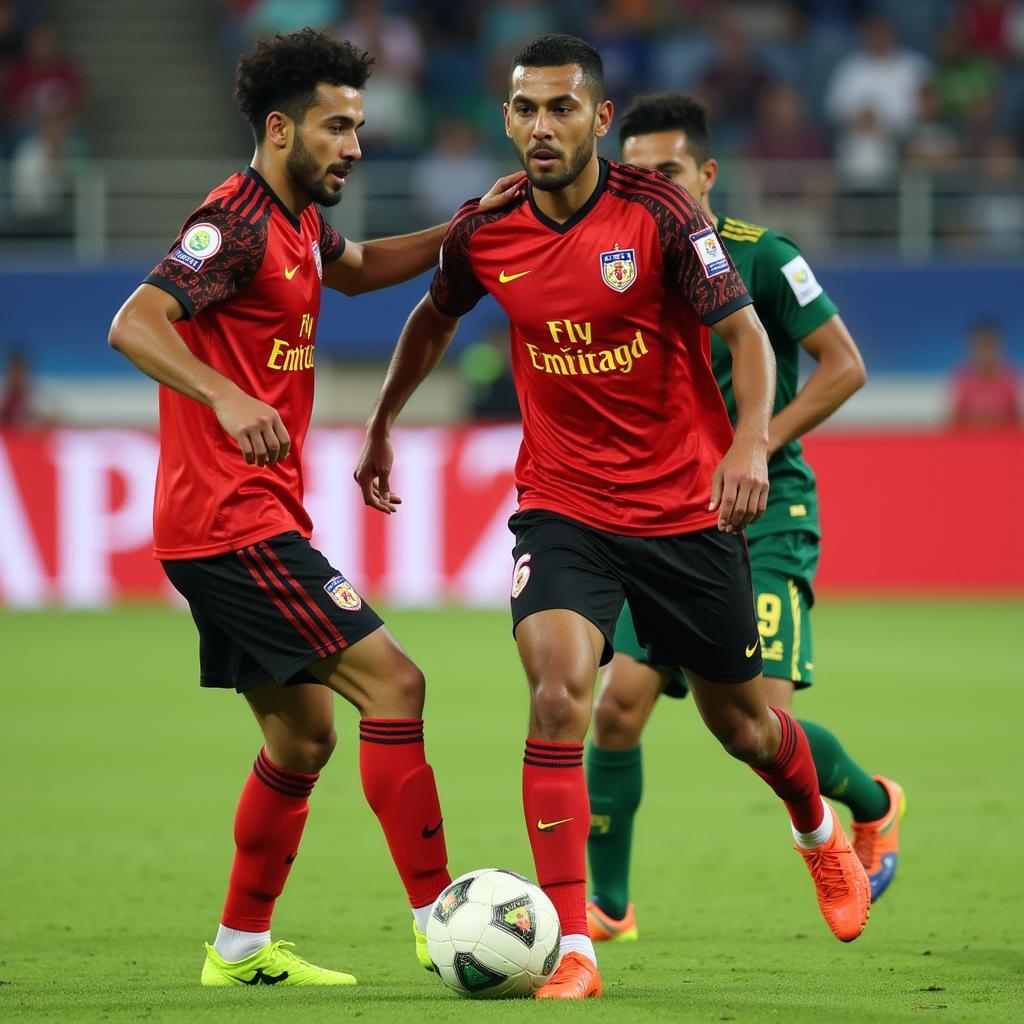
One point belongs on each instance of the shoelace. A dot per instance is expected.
(828, 874)
(284, 948)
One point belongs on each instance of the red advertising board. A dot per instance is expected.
(900, 512)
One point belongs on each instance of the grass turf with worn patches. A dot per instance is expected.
(120, 778)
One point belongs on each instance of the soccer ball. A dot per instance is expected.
(493, 934)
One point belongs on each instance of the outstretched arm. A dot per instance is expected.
(839, 373)
(367, 266)
(739, 487)
(426, 335)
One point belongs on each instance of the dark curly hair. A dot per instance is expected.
(669, 112)
(553, 51)
(282, 73)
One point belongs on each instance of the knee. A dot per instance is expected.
(310, 754)
(746, 739)
(617, 723)
(560, 708)
(401, 695)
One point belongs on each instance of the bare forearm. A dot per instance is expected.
(827, 388)
(388, 261)
(753, 382)
(424, 339)
(153, 346)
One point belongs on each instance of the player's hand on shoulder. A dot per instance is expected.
(373, 473)
(502, 191)
(256, 427)
(739, 485)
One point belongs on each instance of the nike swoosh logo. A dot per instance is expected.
(753, 647)
(291, 273)
(259, 978)
(543, 826)
(290, 858)
(505, 278)
(429, 833)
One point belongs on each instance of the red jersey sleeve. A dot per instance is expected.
(697, 264)
(455, 287)
(216, 255)
(332, 245)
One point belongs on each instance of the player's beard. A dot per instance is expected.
(552, 183)
(308, 177)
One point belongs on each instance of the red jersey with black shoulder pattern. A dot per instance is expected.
(623, 423)
(247, 272)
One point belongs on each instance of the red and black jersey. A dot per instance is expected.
(623, 423)
(247, 273)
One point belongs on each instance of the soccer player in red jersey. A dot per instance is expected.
(227, 324)
(631, 482)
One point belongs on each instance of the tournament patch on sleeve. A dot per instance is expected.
(709, 249)
(197, 245)
(801, 279)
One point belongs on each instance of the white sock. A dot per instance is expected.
(822, 834)
(234, 945)
(421, 915)
(577, 944)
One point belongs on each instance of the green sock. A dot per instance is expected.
(615, 783)
(841, 778)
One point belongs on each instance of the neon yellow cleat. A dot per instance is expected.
(274, 964)
(421, 949)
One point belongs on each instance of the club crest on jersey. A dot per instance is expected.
(618, 268)
(709, 249)
(318, 261)
(343, 594)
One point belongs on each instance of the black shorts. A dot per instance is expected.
(690, 594)
(269, 611)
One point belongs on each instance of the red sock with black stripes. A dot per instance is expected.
(557, 812)
(271, 814)
(399, 787)
(793, 776)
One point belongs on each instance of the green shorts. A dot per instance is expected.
(782, 567)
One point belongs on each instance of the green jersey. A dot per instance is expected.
(791, 304)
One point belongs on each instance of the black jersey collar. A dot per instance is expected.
(251, 172)
(602, 180)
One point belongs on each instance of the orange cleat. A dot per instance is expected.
(878, 842)
(576, 977)
(604, 928)
(844, 892)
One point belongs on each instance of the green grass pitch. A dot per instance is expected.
(119, 780)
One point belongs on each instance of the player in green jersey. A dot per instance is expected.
(669, 133)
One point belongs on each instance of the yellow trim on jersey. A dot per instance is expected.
(794, 601)
(742, 230)
(752, 239)
(729, 229)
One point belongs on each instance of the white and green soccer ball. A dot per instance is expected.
(493, 934)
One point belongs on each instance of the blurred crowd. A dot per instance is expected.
(869, 87)
(41, 134)
(872, 85)
(863, 88)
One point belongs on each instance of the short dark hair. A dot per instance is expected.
(552, 51)
(669, 112)
(282, 73)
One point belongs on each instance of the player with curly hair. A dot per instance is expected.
(227, 324)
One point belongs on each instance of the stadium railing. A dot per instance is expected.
(102, 210)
